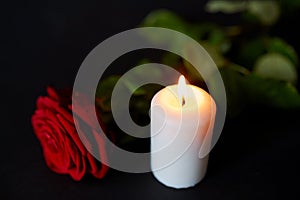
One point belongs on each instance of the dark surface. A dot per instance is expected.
(45, 42)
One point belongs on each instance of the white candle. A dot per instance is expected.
(182, 116)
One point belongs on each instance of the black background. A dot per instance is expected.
(44, 42)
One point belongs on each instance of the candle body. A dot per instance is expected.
(177, 133)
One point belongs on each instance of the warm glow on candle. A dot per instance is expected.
(179, 128)
(181, 90)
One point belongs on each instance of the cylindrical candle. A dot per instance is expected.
(182, 116)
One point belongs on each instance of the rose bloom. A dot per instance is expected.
(64, 153)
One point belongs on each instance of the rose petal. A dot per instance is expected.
(77, 165)
(83, 108)
(54, 126)
(45, 103)
(70, 129)
(52, 93)
(83, 135)
(99, 172)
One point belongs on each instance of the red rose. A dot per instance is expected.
(64, 153)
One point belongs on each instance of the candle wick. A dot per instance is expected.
(183, 101)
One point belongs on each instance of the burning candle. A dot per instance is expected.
(182, 116)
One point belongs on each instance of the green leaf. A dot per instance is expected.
(228, 7)
(288, 7)
(201, 31)
(243, 90)
(276, 66)
(104, 91)
(266, 11)
(103, 98)
(277, 45)
(171, 59)
(250, 51)
(132, 88)
(271, 92)
(166, 19)
(215, 53)
(234, 92)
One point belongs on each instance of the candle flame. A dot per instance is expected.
(181, 89)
